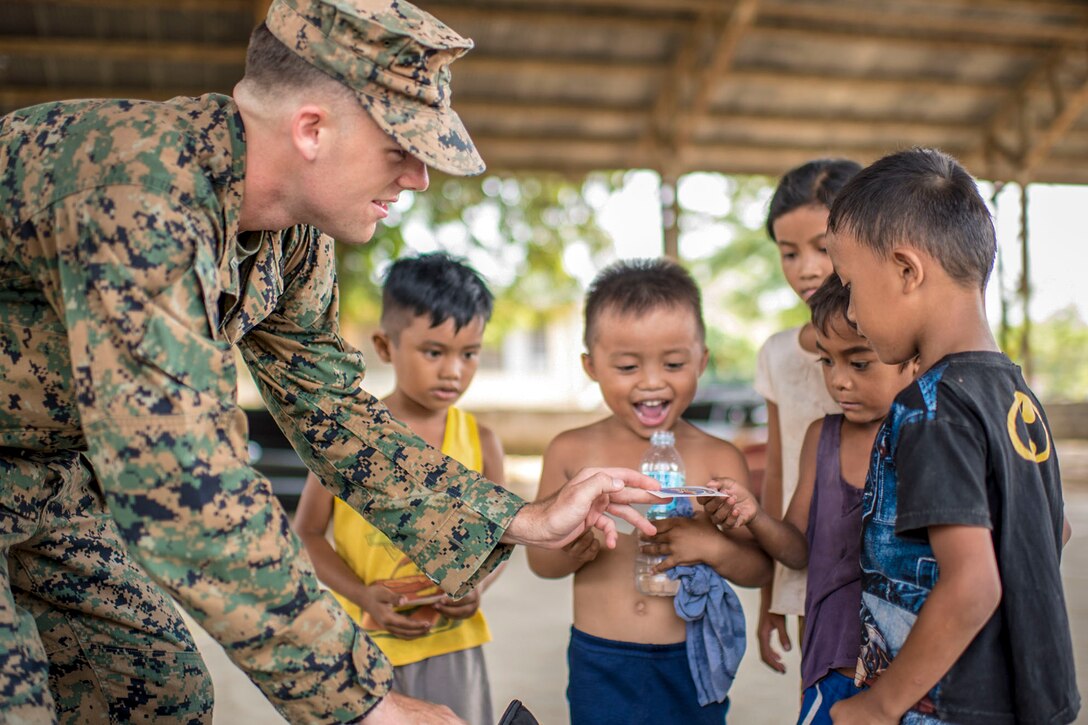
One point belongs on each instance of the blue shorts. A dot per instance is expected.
(817, 700)
(624, 683)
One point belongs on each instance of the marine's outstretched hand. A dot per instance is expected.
(582, 504)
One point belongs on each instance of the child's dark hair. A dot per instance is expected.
(433, 284)
(636, 286)
(830, 303)
(816, 182)
(922, 198)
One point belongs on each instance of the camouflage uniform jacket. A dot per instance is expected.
(124, 288)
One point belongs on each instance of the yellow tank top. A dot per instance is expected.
(374, 559)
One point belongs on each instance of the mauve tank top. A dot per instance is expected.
(833, 602)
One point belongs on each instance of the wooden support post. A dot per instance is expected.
(1003, 298)
(1025, 286)
(670, 215)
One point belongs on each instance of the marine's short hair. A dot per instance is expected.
(436, 285)
(925, 199)
(636, 286)
(272, 66)
(815, 182)
(830, 303)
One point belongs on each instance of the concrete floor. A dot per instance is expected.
(530, 620)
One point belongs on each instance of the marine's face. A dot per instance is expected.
(362, 171)
(647, 365)
(801, 249)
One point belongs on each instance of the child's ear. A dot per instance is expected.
(587, 365)
(704, 360)
(382, 345)
(909, 268)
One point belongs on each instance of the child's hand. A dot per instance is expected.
(584, 549)
(863, 709)
(769, 624)
(737, 509)
(462, 608)
(682, 541)
(379, 602)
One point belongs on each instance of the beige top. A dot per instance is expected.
(790, 377)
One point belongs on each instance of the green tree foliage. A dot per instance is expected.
(745, 294)
(1058, 346)
(511, 229)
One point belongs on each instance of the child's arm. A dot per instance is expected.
(772, 501)
(311, 520)
(966, 595)
(732, 554)
(684, 542)
(553, 564)
(783, 540)
(466, 606)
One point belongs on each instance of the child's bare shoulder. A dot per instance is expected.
(707, 456)
(578, 443)
(702, 444)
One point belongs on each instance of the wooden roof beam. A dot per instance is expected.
(147, 51)
(861, 14)
(1073, 106)
(137, 51)
(1018, 136)
(520, 112)
(242, 6)
(671, 89)
(717, 69)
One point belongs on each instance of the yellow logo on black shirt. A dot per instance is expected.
(1023, 408)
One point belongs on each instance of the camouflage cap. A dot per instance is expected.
(396, 58)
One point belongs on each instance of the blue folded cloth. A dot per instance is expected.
(715, 629)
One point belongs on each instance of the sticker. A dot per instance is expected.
(689, 492)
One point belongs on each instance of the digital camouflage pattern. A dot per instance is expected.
(66, 561)
(396, 58)
(124, 290)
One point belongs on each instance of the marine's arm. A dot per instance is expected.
(494, 471)
(312, 517)
(137, 277)
(553, 564)
(444, 517)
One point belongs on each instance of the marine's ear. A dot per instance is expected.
(310, 129)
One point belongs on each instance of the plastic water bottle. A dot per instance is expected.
(662, 461)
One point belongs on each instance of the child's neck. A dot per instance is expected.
(961, 327)
(427, 423)
(855, 443)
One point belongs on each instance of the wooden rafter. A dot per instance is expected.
(716, 69)
(1019, 136)
(677, 85)
(1058, 128)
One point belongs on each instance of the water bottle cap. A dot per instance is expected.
(662, 438)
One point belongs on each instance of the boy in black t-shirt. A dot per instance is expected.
(963, 614)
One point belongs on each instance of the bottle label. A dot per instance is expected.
(667, 479)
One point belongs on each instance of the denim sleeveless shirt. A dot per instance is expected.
(833, 601)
